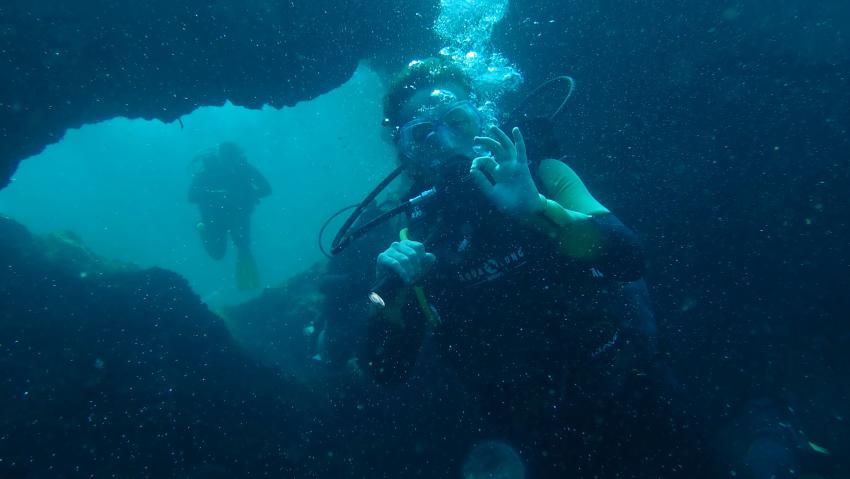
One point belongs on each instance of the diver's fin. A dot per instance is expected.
(247, 276)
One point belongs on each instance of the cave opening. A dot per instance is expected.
(121, 185)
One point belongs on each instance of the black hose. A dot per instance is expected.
(335, 248)
(368, 226)
(540, 87)
(325, 226)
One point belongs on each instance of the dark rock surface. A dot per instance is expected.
(281, 326)
(66, 64)
(112, 370)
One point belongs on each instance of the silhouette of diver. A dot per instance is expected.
(226, 189)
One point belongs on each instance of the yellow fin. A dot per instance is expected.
(247, 275)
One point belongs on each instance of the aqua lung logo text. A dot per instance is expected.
(493, 268)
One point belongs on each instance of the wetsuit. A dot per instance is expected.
(226, 196)
(542, 320)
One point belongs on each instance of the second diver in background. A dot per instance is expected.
(226, 189)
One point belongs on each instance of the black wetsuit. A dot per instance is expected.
(226, 196)
(541, 341)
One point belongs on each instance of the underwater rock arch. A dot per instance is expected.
(69, 64)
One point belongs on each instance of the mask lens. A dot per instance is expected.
(464, 119)
(412, 136)
(420, 131)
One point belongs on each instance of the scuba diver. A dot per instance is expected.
(529, 287)
(226, 189)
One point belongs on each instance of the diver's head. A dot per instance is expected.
(434, 118)
(230, 153)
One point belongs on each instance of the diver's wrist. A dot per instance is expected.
(555, 214)
(541, 212)
(536, 216)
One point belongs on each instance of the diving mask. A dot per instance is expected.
(431, 134)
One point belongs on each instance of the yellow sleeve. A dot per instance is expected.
(566, 205)
(563, 186)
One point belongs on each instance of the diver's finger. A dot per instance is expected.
(401, 264)
(520, 146)
(405, 248)
(385, 261)
(482, 182)
(490, 145)
(503, 138)
(399, 256)
(410, 253)
(487, 164)
(418, 247)
(398, 269)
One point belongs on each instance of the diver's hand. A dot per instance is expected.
(408, 259)
(512, 189)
